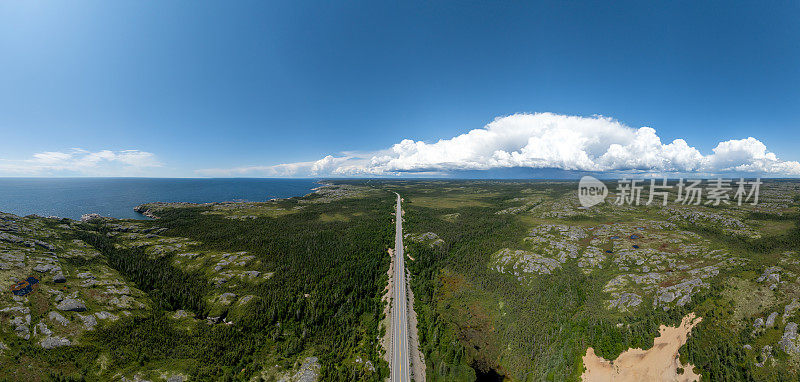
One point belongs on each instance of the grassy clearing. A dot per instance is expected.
(452, 202)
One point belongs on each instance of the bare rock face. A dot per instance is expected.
(57, 317)
(59, 278)
(766, 355)
(308, 372)
(789, 309)
(21, 326)
(41, 328)
(624, 301)
(252, 274)
(667, 296)
(771, 277)
(71, 305)
(145, 209)
(787, 342)
(103, 315)
(43, 268)
(88, 218)
(54, 342)
(771, 319)
(89, 321)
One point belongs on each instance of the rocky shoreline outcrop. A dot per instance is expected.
(144, 209)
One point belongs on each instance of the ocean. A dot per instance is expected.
(116, 197)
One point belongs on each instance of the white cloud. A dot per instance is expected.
(78, 161)
(546, 140)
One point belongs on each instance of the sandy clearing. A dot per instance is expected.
(659, 363)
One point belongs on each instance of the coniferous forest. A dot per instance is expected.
(510, 281)
(318, 295)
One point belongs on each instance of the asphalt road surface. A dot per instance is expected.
(400, 365)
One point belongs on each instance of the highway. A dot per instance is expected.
(400, 364)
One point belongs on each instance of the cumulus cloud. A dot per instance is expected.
(78, 161)
(543, 141)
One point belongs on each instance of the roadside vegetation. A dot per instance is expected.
(512, 279)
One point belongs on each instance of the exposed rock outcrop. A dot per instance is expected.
(71, 305)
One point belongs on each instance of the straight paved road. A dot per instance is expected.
(400, 364)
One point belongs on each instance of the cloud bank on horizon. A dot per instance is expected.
(541, 141)
(82, 162)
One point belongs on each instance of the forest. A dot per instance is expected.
(323, 263)
(322, 299)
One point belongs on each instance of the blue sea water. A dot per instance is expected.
(116, 197)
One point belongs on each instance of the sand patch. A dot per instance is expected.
(659, 363)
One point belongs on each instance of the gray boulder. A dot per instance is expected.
(787, 342)
(789, 309)
(89, 321)
(21, 328)
(770, 274)
(771, 319)
(251, 273)
(71, 305)
(43, 268)
(87, 218)
(791, 331)
(59, 278)
(44, 245)
(41, 328)
(54, 342)
(308, 372)
(667, 297)
(57, 317)
(103, 315)
(766, 355)
(684, 300)
(625, 300)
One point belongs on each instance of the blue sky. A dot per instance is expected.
(235, 88)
